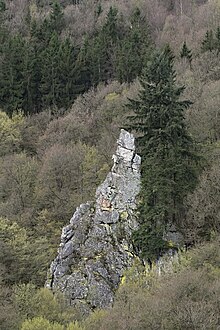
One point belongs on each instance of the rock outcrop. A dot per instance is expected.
(96, 246)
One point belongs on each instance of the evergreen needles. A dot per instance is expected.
(167, 150)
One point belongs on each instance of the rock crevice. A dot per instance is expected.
(96, 246)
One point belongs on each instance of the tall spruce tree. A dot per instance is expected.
(34, 65)
(217, 35)
(208, 43)
(83, 65)
(68, 74)
(3, 32)
(134, 48)
(50, 80)
(56, 19)
(12, 68)
(2, 6)
(186, 53)
(109, 38)
(102, 49)
(167, 150)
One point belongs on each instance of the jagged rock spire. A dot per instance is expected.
(96, 247)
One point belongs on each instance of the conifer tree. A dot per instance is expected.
(106, 45)
(12, 75)
(56, 19)
(34, 67)
(3, 32)
(208, 44)
(109, 29)
(101, 50)
(60, 75)
(83, 65)
(68, 74)
(98, 10)
(2, 6)
(168, 158)
(218, 38)
(186, 53)
(134, 49)
(50, 82)
(98, 60)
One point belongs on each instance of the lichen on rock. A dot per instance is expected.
(96, 246)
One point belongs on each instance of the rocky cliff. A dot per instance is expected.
(96, 246)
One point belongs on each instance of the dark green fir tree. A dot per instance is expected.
(3, 31)
(169, 161)
(134, 48)
(50, 79)
(110, 28)
(109, 38)
(186, 53)
(12, 68)
(208, 43)
(217, 35)
(98, 60)
(98, 10)
(56, 19)
(84, 65)
(2, 6)
(68, 74)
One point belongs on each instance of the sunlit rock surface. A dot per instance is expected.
(96, 247)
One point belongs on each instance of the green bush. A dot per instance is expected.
(40, 323)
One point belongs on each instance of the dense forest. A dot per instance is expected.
(72, 73)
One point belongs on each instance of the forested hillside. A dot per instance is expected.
(72, 73)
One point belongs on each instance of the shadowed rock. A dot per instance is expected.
(96, 247)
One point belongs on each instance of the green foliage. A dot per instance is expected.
(207, 256)
(13, 244)
(67, 173)
(144, 299)
(94, 321)
(202, 218)
(30, 257)
(50, 77)
(109, 30)
(32, 303)
(208, 44)
(56, 19)
(9, 318)
(23, 301)
(12, 78)
(39, 323)
(102, 49)
(74, 326)
(167, 150)
(58, 73)
(2, 6)
(10, 132)
(148, 241)
(50, 306)
(217, 37)
(185, 299)
(46, 71)
(98, 10)
(28, 65)
(186, 53)
(134, 49)
(18, 173)
(41, 188)
(49, 54)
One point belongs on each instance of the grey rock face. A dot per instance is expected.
(96, 247)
